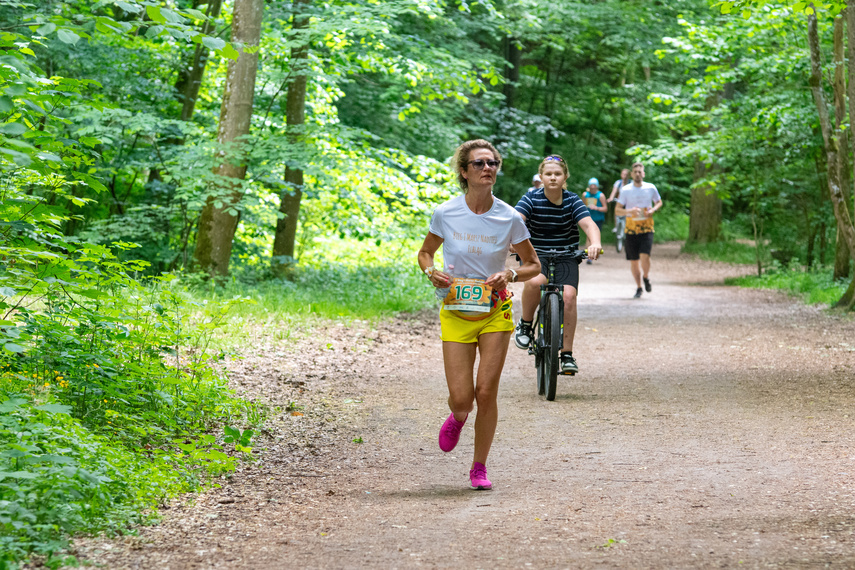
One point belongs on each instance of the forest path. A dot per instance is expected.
(709, 426)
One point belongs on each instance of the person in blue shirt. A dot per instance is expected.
(596, 202)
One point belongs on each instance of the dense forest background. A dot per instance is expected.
(163, 163)
(339, 117)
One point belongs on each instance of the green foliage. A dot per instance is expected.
(724, 251)
(102, 378)
(95, 365)
(342, 278)
(58, 478)
(813, 287)
(672, 223)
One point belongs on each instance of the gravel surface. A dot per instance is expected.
(709, 427)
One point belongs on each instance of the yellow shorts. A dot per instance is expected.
(455, 328)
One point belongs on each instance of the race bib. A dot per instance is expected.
(468, 295)
(639, 225)
(591, 202)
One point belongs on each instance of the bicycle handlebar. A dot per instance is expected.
(556, 255)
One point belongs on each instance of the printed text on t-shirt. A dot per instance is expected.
(480, 238)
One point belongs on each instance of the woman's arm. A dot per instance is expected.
(529, 268)
(603, 206)
(426, 253)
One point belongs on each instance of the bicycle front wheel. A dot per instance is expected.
(552, 343)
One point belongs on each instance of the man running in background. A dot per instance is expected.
(638, 201)
(536, 183)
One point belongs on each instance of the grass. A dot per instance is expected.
(813, 287)
(725, 251)
(344, 280)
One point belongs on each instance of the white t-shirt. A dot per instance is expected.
(644, 196)
(476, 244)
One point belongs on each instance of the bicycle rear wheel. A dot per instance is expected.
(551, 343)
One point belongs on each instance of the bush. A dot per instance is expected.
(108, 392)
(814, 287)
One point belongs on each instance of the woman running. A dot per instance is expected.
(475, 230)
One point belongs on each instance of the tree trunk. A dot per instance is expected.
(219, 218)
(705, 210)
(295, 108)
(190, 80)
(513, 55)
(842, 254)
(831, 139)
(705, 207)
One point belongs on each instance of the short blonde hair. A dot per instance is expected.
(555, 158)
(460, 160)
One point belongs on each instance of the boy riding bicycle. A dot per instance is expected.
(553, 216)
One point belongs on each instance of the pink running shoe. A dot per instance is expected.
(449, 433)
(478, 477)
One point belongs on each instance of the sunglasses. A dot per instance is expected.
(480, 164)
(554, 157)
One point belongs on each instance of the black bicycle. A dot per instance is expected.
(549, 324)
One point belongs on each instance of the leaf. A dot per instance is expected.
(154, 13)
(50, 458)
(213, 43)
(54, 409)
(92, 293)
(11, 405)
(67, 37)
(35, 106)
(13, 129)
(230, 52)
(46, 29)
(7, 292)
(215, 455)
(49, 156)
(6, 104)
(18, 475)
(171, 16)
(130, 8)
(195, 14)
(91, 142)
(12, 347)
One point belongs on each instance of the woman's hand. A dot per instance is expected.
(439, 279)
(498, 281)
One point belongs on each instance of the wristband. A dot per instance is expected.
(513, 275)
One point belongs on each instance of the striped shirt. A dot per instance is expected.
(552, 226)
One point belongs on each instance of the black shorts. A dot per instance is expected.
(637, 244)
(566, 272)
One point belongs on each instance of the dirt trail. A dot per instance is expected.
(709, 426)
